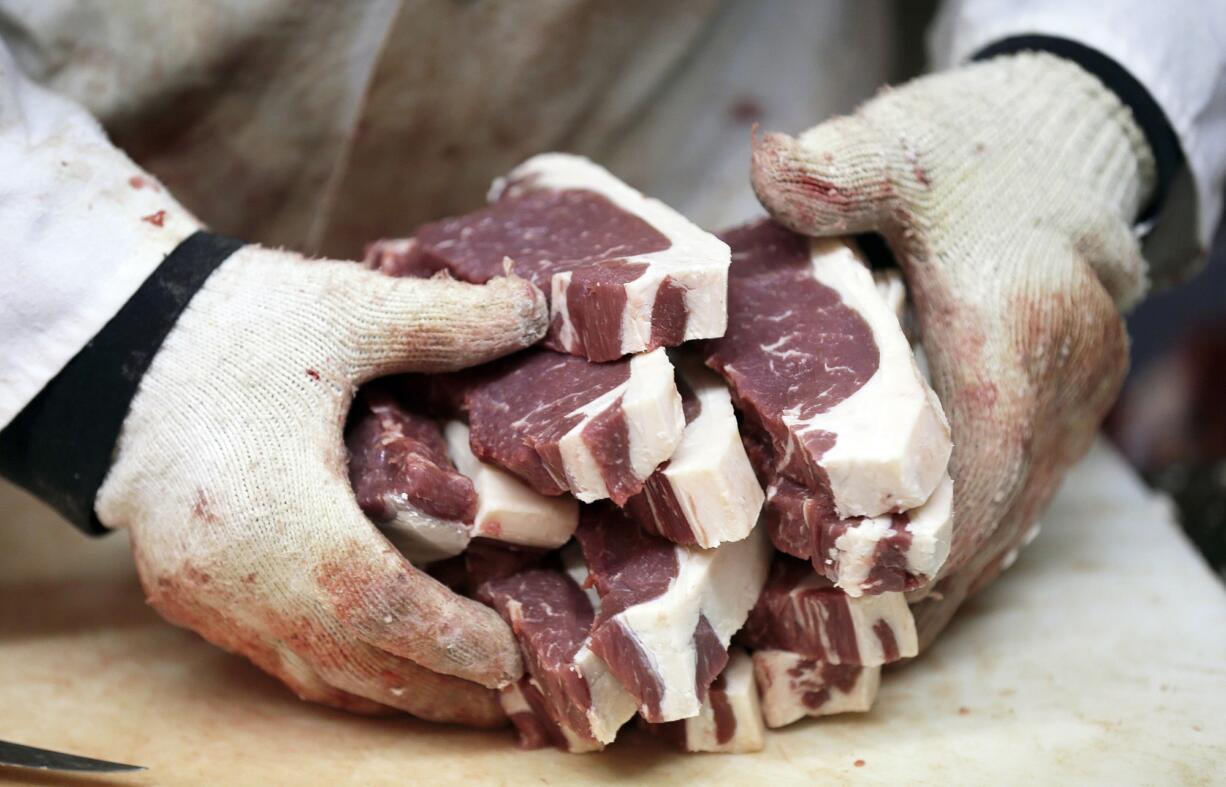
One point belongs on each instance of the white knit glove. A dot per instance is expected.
(1006, 190)
(230, 475)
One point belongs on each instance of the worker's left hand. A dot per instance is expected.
(1006, 190)
(230, 476)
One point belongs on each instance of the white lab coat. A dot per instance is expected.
(319, 126)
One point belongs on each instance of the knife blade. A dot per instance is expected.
(33, 757)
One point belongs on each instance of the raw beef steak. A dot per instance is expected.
(508, 509)
(793, 686)
(731, 717)
(706, 493)
(404, 480)
(561, 423)
(624, 273)
(802, 612)
(893, 552)
(817, 361)
(551, 617)
(667, 611)
(534, 722)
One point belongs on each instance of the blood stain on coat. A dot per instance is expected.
(745, 109)
(156, 219)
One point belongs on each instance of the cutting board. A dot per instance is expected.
(1100, 657)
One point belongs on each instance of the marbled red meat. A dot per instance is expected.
(561, 423)
(624, 273)
(668, 611)
(802, 612)
(404, 480)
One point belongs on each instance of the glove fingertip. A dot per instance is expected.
(814, 190)
(439, 324)
(529, 305)
(400, 609)
(782, 183)
(504, 315)
(497, 660)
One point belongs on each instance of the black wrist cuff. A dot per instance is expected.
(60, 446)
(1168, 155)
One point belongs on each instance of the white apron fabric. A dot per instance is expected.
(321, 125)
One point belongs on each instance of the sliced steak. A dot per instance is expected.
(862, 555)
(793, 686)
(535, 726)
(624, 273)
(563, 424)
(731, 717)
(404, 480)
(667, 611)
(551, 618)
(508, 509)
(817, 361)
(836, 352)
(706, 493)
(802, 612)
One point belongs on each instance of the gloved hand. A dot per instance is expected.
(230, 475)
(1006, 190)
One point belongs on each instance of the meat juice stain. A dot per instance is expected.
(745, 109)
(157, 219)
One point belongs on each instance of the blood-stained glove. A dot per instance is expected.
(230, 474)
(1006, 190)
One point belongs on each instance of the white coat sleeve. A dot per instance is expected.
(1175, 49)
(81, 227)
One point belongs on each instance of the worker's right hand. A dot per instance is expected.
(230, 475)
(1006, 190)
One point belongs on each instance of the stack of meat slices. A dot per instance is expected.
(701, 500)
(845, 432)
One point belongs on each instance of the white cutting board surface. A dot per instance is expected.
(1100, 657)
